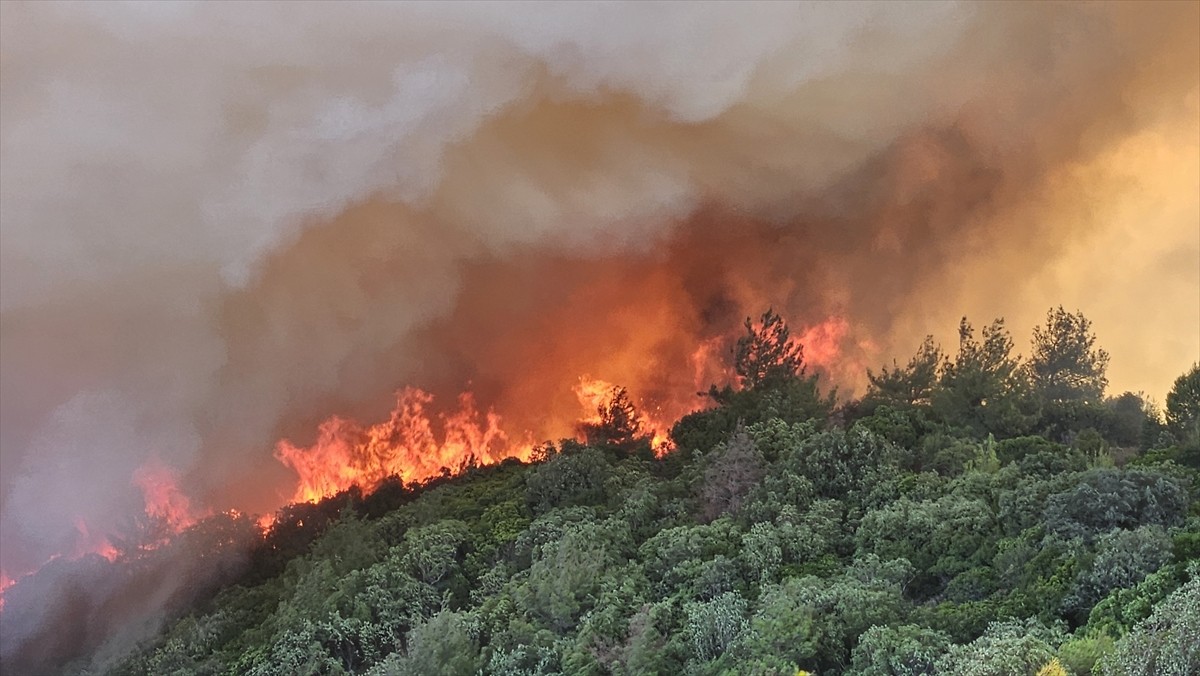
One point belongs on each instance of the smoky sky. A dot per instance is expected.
(222, 222)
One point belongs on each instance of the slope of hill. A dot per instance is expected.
(957, 519)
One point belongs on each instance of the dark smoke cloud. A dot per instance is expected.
(223, 223)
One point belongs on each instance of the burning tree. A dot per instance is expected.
(617, 422)
(767, 354)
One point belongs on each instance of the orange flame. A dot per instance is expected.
(87, 543)
(823, 342)
(5, 583)
(594, 394)
(163, 497)
(417, 444)
(406, 445)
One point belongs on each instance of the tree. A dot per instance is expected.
(1066, 365)
(1131, 420)
(576, 478)
(767, 354)
(1123, 559)
(1105, 499)
(617, 423)
(445, 644)
(941, 537)
(714, 625)
(732, 470)
(813, 620)
(905, 650)
(912, 385)
(1009, 647)
(984, 388)
(1165, 643)
(1183, 407)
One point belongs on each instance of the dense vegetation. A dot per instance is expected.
(974, 513)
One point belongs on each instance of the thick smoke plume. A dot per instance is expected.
(223, 223)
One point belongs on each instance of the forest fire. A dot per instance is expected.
(5, 583)
(89, 542)
(597, 396)
(420, 441)
(164, 499)
(408, 445)
(211, 294)
(417, 442)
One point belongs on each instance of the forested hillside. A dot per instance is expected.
(975, 512)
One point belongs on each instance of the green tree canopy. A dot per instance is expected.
(1183, 406)
(984, 388)
(910, 385)
(1065, 364)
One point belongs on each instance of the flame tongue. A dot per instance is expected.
(406, 445)
(417, 443)
(164, 499)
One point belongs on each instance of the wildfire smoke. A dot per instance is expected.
(224, 227)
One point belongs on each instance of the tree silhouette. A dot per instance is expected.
(618, 424)
(1066, 365)
(767, 354)
(1183, 407)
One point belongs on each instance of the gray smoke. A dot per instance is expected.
(222, 223)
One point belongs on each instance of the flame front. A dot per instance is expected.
(418, 442)
(406, 445)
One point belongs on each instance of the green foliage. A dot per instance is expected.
(1065, 364)
(713, 626)
(565, 575)
(911, 385)
(767, 355)
(1130, 421)
(1123, 559)
(577, 477)
(731, 470)
(791, 400)
(904, 650)
(1020, 448)
(1123, 608)
(1005, 649)
(1164, 644)
(956, 521)
(822, 618)
(942, 537)
(984, 388)
(1081, 654)
(782, 627)
(1183, 407)
(433, 552)
(1105, 499)
(841, 463)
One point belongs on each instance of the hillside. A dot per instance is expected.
(973, 513)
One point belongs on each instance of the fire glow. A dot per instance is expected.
(416, 443)
(420, 441)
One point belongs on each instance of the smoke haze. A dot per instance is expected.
(223, 223)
